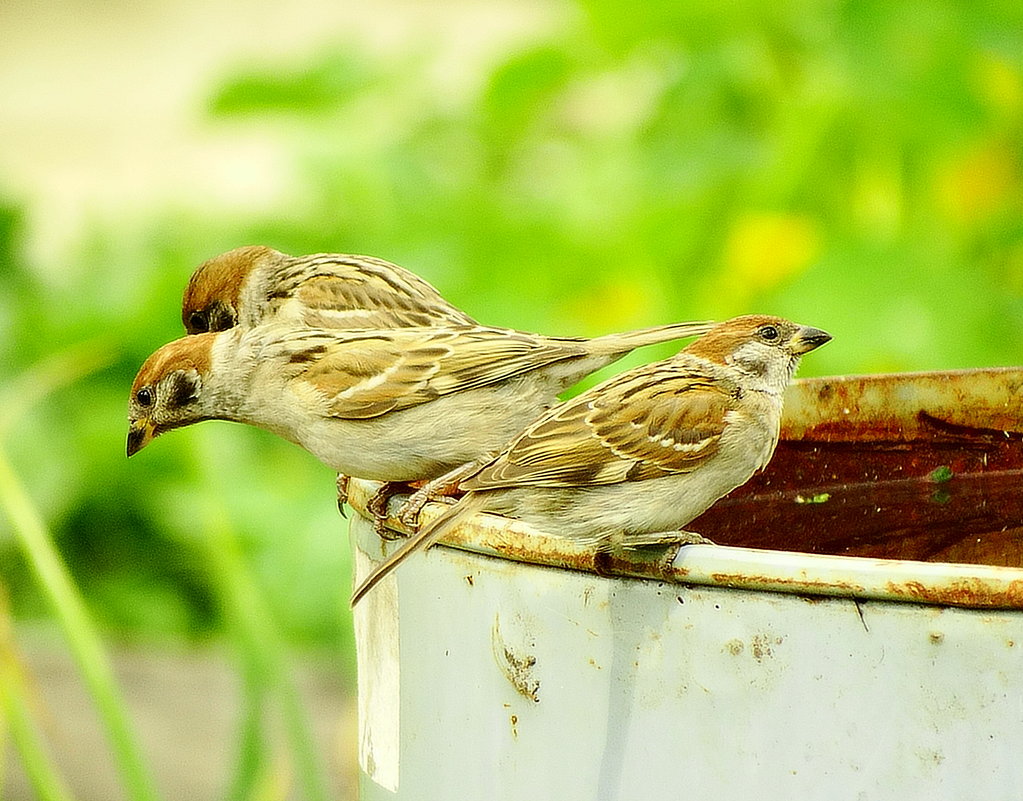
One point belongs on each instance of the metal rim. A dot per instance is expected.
(934, 583)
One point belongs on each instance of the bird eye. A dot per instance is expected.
(144, 397)
(198, 322)
(768, 333)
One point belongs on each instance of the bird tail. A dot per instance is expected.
(626, 341)
(602, 351)
(421, 540)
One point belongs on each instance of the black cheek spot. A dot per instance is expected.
(757, 367)
(221, 317)
(184, 390)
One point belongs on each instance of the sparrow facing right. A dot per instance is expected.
(630, 461)
(251, 285)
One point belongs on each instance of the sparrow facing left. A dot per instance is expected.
(630, 461)
(251, 285)
(393, 405)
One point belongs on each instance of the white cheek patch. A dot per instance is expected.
(751, 357)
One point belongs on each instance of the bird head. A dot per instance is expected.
(168, 390)
(764, 347)
(212, 298)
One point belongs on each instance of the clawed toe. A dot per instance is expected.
(376, 506)
(409, 515)
(409, 512)
(342, 493)
(692, 538)
(602, 562)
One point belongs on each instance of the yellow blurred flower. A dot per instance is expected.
(999, 84)
(972, 185)
(764, 249)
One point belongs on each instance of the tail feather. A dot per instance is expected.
(421, 540)
(626, 341)
(602, 351)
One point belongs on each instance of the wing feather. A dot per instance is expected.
(362, 374)
(363, 289)
(650, 422)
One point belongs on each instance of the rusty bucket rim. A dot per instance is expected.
(814, 575)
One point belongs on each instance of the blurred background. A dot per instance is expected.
(564, 167)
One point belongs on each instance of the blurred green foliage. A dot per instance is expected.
(856, 166)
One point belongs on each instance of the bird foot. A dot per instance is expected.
(437, 489)
(602, 563)
(342, 493)
(409, 512)
(376, 506)
(692, 538)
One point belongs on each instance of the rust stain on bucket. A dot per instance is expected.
(960, 593)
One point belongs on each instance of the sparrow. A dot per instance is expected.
(393, 405)
(632, 460)
(251, 285)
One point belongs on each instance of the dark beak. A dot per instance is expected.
(140, 434)
(809, 338)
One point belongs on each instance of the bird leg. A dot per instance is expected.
(376, 506)
(671, 543)
(432, 490)
(662, 539)
(668, 541)
(602, 563)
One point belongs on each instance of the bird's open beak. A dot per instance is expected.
(809, 338)
(140, 434)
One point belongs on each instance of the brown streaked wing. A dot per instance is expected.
(483, 356)
(634, 427)
(423, 296)
(337, 292)
(559, 450)
(370, 376)
(362, 283)
(332, 293)
(675, 421)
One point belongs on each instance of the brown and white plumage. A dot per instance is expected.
(635, 458)
(251, 285)
(392, 405)
(677, 422)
